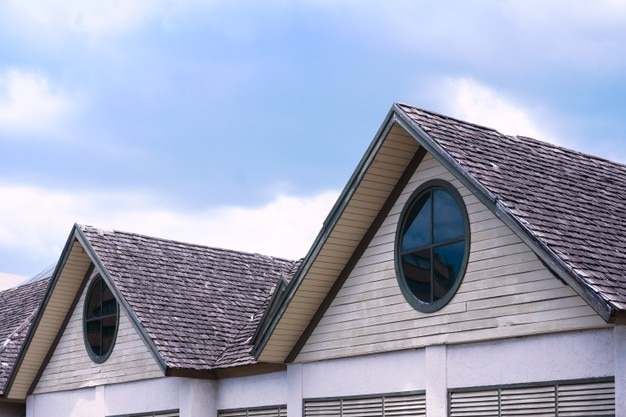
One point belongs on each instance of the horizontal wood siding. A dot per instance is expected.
(506, 292)
(71, 367)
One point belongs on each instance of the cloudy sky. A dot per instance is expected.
(237, 123)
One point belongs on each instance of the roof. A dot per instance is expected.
(572, 202)
(18, 307)
(198, 305)
(567, 206)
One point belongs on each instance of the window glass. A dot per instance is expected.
(433, 245)
(447, 218)
(101, 320)
(417, 232)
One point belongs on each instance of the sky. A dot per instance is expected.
(237, 123)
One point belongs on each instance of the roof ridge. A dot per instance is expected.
(446, 117)
(100, 231)
(520, 137)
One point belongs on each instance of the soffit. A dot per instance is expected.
(396, 150)
(59, 300)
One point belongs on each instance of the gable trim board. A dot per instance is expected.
(269, 322)
(34, 356)
(296, 333)
(362, 246)
(124, 304)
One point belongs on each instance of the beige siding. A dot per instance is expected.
(71, 367)
(506, 292)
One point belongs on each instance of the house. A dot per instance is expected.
(461, 272)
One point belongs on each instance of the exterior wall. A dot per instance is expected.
(252, 391)
(194, 398)
(12, 409)
(506, 292)
(435, 369)
(71, 367)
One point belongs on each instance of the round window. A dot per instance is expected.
(101, 320)
(432, 246)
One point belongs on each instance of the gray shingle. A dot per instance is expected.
(197, 304)
(571, 201)
(18, 307)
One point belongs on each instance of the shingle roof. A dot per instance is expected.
(18, 307)
(572, 202)
(199, 305)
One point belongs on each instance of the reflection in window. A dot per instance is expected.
(101, 319)
(433, 245)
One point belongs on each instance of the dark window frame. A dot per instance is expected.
(416, 196)
(99, 280)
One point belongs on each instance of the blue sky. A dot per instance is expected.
(237, 123)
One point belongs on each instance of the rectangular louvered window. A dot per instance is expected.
(411, 404)
(565, 399)
(272, 411)
(169, 413)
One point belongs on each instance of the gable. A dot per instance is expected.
(506, 291)
(70, 366)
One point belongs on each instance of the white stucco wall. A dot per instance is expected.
(191, 396)
(434, 369)
(252, 391)
(575, 355)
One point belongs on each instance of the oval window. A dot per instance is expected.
(101, 320)
(432, 246)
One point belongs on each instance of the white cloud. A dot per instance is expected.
(39, 220)
(10, 281)
(477, 103)
(94, 17)
(28, 104)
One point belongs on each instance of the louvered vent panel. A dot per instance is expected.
(595, 399)
(474, 404)
(395, 405)
(266, 412)
(362, 407)
(413, 405)
(330, 408)
(232, 413)
(528, 401)
(585, 399)
(274, 411)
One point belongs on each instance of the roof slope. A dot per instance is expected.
(572, 202)
(196, 303)
(18, 307)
